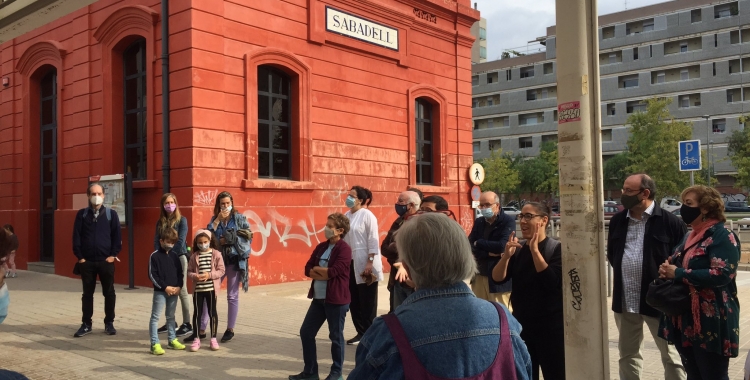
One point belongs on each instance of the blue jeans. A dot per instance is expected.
(160, 300)
(400, 293)
(319, 312)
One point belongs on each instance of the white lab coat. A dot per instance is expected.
(364, 239)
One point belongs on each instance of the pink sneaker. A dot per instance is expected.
(195, 346)
(214, 344)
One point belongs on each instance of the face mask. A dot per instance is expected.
(630, 201)
(689, 214)
(350, 201)
(4, 302)
(170, 207)
(329, 232)
(229, 208)
(204, 247)
(487, 213)
(401, 209)
(167, 247)
(96, 200)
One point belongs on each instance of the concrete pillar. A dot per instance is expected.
(581, 191)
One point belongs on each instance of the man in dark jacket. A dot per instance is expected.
(408, 204)
(488, 238)
(96, 243)
(640, 238)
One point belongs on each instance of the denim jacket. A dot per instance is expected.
(453, 333)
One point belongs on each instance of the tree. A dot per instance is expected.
(548, 155)
(499, 176)
(653, 146)
(739, 152)
(615, 170)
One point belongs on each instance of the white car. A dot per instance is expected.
(512, 211)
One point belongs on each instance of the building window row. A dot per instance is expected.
(647, 25)
(486, 101)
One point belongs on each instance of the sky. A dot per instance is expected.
(512, 23)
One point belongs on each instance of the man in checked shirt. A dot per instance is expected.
(640, 238)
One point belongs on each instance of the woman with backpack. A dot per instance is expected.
(535, 265)
(234, 235)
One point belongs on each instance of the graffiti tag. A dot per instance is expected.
(575, 289)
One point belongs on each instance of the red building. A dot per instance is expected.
(284, 103)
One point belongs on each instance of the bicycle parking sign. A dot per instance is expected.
(690, 155)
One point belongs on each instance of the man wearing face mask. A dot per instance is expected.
(96, 243)
(408, 204)
(488, 238)
(641, 237)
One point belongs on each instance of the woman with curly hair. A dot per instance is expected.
(707, 335)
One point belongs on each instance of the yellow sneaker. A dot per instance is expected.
(157, 350)
(176, 345)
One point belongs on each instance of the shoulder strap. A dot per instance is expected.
(413, 368)
(504, 366)
(550, 248)
(85, 212)
(109, 213)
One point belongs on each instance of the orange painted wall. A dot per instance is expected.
(358, 117)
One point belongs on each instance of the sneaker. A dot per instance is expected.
(162, 330)
(195, 346)
(176, 345)
(184, 329)
(156, 349)
(84, 330)
(228, 335)
(304, 376)
(192, 337)
(15, 275)
(214, 344)
(109, 328)
(354, 341)
(334, 377)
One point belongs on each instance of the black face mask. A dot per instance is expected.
(630, 201)
(689, 214)
(401, 209)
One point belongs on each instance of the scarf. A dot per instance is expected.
(695, 236)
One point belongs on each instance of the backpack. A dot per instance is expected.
(107, 210)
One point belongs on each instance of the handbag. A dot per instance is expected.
(669, 296)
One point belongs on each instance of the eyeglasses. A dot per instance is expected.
(448, 213)
(528, 217)
(486, 205)
(628, 191)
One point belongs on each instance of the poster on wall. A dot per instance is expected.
(114, 193)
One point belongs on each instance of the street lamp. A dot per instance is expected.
(708, 146)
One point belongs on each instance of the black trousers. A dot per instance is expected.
(364, 306)
(106, 272)
(209, 299)
(700, 364)
(545, 340)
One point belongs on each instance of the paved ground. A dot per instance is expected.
(37, 338)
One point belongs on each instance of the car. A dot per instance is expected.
(512, 211)
(736, 206)
(670, 204)
(611, 209)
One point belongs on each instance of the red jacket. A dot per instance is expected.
(339, 263)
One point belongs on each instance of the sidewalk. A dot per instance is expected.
(45, 311)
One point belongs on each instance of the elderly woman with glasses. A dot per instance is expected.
(442, 316)
(535, 265)
(707, 334)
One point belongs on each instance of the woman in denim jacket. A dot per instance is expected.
(442, 329)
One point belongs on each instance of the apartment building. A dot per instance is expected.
(479, 47)
(692, 51)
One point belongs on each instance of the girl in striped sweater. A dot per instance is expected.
(205, 268)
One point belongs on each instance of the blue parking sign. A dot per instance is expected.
(690, 155)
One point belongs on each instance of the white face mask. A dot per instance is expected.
(96, 200)
(204, 247)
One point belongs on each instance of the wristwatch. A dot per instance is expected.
(371, 258)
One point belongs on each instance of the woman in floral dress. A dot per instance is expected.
(707, 335)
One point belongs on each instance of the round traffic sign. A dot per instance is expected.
(476, 174)
(476, 192)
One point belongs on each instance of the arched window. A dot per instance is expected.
(424, 139)
(274, 123)
(134, 107)
(48, 142)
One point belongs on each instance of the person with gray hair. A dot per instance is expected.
(483, 338)
(408, 204)
(488, 238)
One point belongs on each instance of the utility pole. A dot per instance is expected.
(708, 151)
(581, 191)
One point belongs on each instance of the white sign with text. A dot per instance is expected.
(364, 30)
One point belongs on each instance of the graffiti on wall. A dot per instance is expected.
(733, 197)
(205, 198)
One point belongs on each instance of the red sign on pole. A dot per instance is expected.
(568, 112)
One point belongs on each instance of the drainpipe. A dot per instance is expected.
(165, 92)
